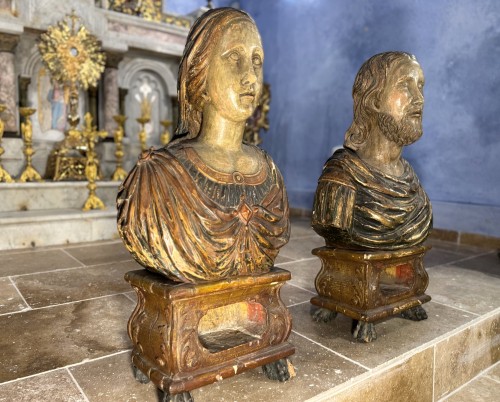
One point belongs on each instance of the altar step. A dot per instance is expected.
(73, 304)
(50, 213)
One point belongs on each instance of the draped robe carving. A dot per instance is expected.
(180, 218)
(358, 207)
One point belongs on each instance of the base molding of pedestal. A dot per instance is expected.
(370, 315)
(191, 380)
(189, 335)
(368, 286)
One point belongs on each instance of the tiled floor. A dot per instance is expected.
(64, 311)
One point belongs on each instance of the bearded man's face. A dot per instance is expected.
(403, 132)
(399, 115)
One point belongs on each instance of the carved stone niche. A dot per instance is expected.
(189, 335)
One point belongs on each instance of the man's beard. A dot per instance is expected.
(402, 133)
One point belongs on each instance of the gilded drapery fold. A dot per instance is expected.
(358, 206)
(176, 221)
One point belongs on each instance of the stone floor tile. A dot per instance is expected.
(300, 248)
(395, 335)
(488, 263)
(100, 253)
(291, 294)
(111, 379)
(51, 288)
(281, 259)
(494, 373)
(482, 389)
(45, 339)
(54, 386)
(132, 296)
(317, 370)
(35, 261)
(464, 355)
(303, 272)
(301, 227)
(10, 300)
(409, 381)
(438, 256)
(465, 250)
(467, 289)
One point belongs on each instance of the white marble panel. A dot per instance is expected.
(37, 229)
(53, 195)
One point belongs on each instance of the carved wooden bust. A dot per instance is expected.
(368, 196)
(208, 206)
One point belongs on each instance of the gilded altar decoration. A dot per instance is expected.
(209, 214)
(166, 136)
(119, 174)
(4, 175)
(259, 119)
(29, 173)
(74, 59)
(148, 9)
(151, 10)
(72, 55)
(91, 136)
(143, 120)
(369, 204)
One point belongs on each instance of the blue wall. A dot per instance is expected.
(313, 51)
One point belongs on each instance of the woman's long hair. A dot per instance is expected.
(193, 69)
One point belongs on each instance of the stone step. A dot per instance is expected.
(430, 372)
(49, 227)
(53, 195)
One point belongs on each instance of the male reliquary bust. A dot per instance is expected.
(370, 207)
(368, 196)
(207, 206)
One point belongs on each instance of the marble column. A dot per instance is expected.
(111, 91)
(8, 84)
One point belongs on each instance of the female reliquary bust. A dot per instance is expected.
(207, 206)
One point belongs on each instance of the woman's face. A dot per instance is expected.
(234, 79)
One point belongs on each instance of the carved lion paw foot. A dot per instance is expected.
(416, 313)
(182, 397)
(277, 370)
(322, 314)
(140, 376)
(364, 331)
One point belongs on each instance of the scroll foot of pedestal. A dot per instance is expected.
(278, 370)
(321, 314)
(182, 397)
(140, 376)
(416, 313)
(364, 331)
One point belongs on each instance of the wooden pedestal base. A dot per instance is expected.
(189, 335)
(369, 286)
